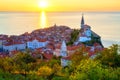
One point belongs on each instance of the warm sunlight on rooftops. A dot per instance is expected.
(43, 4)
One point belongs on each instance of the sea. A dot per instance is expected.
(106, 24)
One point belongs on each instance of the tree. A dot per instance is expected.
(23, 57)
(110, 56)
(79, 55)
(7, 64)
(93, 70)
(74, 36)
(44, 71)
(23, 63)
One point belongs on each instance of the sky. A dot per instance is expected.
(60, 5)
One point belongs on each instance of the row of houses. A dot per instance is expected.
(32, 44)
(36, 39)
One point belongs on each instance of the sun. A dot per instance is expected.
(43, 4)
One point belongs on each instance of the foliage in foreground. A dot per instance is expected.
(22, 66)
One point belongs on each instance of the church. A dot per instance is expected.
(86, 35)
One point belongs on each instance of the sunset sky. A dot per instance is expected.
(60, 5)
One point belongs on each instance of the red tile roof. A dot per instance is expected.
(38, 39)
(13, 43)
(48, 56)
(72, 47)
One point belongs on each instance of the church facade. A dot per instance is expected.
(86, 35)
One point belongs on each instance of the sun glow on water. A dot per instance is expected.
(43, 20)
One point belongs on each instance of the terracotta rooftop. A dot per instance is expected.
(48, 56)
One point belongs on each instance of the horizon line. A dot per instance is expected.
(54, 11)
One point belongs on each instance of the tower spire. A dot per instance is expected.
(63, 51)
(82, 21)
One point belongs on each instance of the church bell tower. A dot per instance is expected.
(63, 51)
(82, 21)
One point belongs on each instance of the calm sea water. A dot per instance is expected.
(106, 24)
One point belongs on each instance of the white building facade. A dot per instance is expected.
(84, 39)
(12, 47)
(36, 44)
(63, 53)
